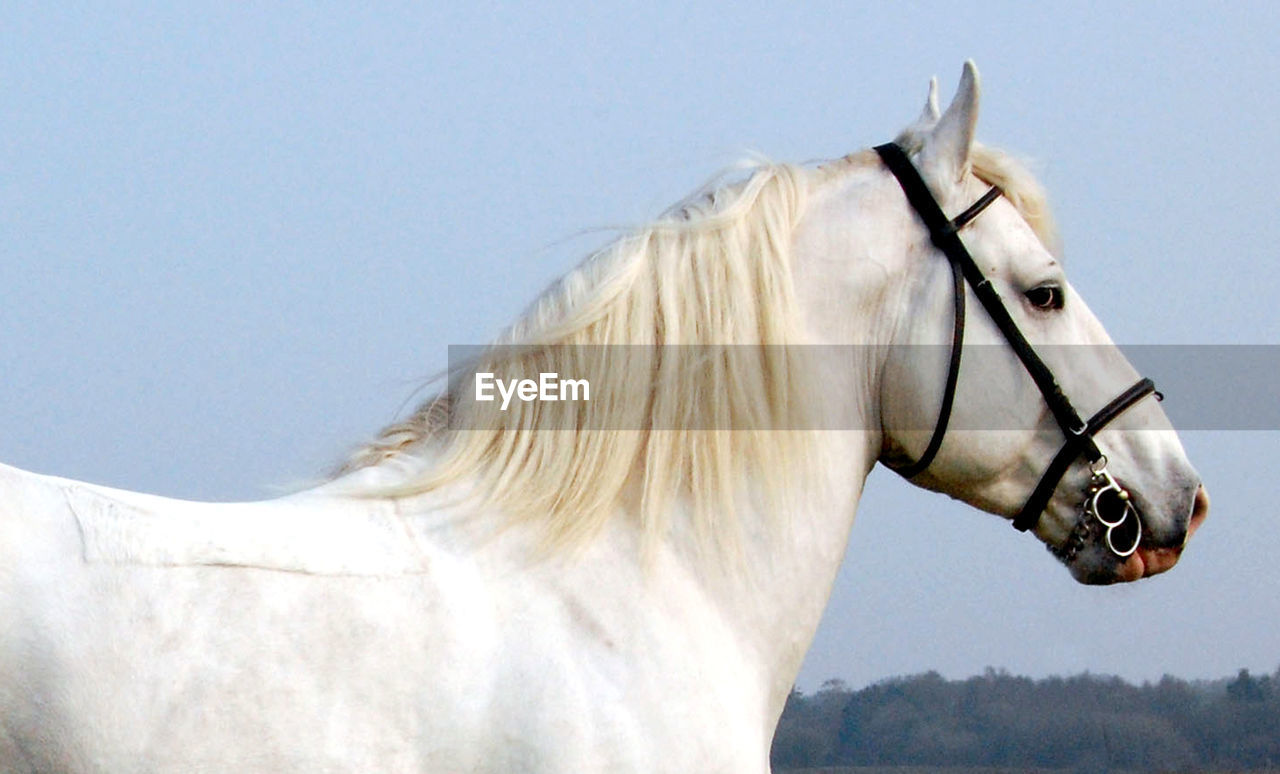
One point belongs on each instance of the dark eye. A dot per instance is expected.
(1046, 297)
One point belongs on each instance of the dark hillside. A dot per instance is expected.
(997, 721)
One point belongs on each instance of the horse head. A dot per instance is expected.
(1018, 407)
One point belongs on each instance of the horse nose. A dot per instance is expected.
(1152, 559)
(1176, 540)
(1199, 512)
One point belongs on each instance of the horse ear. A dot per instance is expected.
(930, 115)
(911, 137)
(944, 155)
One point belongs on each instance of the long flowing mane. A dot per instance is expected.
(711, 274)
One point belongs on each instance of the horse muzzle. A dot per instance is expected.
(1098, 564)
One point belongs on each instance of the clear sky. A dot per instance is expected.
(233, 239)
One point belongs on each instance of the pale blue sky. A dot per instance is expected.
(234, 239)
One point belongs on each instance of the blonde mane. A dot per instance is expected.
(665, 424)
(1024, 192)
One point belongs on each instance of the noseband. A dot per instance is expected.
(1106, 497)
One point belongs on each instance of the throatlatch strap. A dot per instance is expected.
(953, 375)
(940, 228)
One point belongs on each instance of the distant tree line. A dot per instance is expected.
(1087, 723)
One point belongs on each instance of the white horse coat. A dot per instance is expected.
(327, 631)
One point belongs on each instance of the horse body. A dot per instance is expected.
(341, 629)
(201, 649)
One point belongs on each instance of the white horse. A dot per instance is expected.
(527, 596)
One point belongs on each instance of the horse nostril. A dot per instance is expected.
(1199, 512)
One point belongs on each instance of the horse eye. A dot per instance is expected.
(1046, 297)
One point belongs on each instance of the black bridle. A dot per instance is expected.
(1106, 495)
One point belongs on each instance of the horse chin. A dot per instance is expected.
(1094, 565)
(1099, 567)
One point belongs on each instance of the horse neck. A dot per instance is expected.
(774, 595)
(777, 595)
